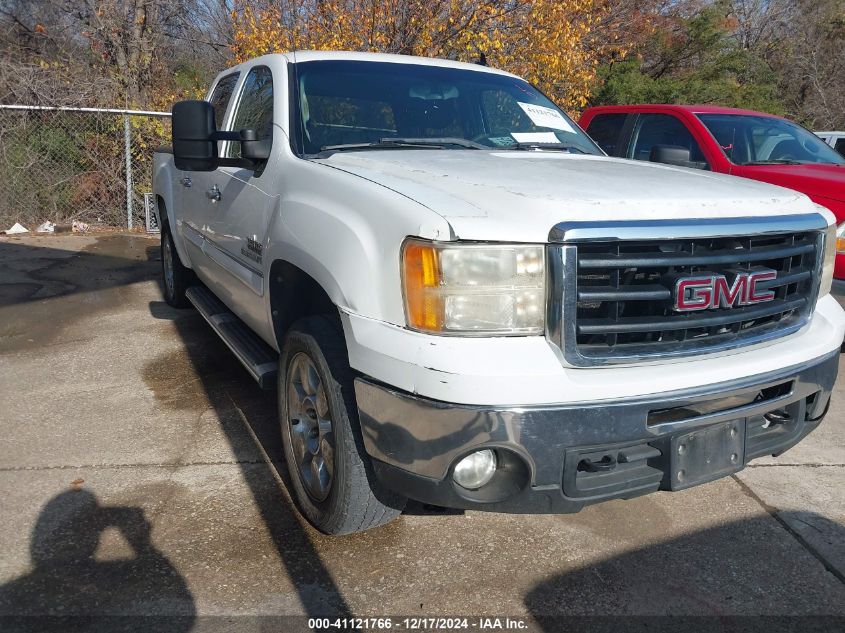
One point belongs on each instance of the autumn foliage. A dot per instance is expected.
(552, 43)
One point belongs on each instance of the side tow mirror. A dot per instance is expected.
(670, 155)
(195, 138)
(194, 131)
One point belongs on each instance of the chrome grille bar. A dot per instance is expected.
(610, 297)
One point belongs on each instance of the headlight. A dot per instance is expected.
(831, 244)
(454, 288)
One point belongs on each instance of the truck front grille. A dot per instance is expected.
(624, 299)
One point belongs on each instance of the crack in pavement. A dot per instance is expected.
(775, 514)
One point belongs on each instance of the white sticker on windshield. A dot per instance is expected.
(546, 117)
(535, 137)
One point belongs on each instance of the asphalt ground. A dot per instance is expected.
(141, 489)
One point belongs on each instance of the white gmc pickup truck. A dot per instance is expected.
(461, 300)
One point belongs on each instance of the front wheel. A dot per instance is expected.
(330, 472)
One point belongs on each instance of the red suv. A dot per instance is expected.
(727, 141)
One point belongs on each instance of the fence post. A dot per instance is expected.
(127, 141)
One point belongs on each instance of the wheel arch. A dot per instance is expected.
(166, 220)
(295, 294)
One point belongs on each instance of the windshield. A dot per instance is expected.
(355, 103)
(755, 140)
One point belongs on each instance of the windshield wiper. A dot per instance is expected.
(777, 161)
(559, 147)
(439, 141)
(407, 142)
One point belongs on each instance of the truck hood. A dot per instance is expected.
(520, 196)
(820, 180)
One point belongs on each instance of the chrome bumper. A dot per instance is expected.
(415, 441)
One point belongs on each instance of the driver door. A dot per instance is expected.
(245, 203)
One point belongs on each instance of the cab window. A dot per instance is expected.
(254, 110)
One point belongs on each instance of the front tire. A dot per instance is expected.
(330, 472)
(175, 277)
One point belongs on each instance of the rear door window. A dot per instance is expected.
(606, 130)
(654, 130)
(840, 145)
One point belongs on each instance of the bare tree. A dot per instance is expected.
(760, 23)
(108, 52)
(809, 59)
(42, 58)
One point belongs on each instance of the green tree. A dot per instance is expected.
(696, 59)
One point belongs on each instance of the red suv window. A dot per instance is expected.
(606, 130)
(665, 130)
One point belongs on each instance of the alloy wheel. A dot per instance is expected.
(310, 426)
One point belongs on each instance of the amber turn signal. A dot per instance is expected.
(421, 277)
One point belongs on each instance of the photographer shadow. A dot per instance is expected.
(69, 589)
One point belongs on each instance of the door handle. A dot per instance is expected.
(214, 194)
(186, 182)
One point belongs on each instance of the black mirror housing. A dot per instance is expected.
(193, 133)
(195, 138)
(670, 155)
(256, 150)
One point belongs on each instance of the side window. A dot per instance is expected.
(254, 110)
(665, 129)
(605, 129)
(840, 146)
(221, 96)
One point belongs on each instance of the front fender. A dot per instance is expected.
(346, 232)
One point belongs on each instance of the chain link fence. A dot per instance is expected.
(86, 164)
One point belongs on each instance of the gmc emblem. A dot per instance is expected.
(713, 291)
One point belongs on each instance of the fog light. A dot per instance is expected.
(475, 470)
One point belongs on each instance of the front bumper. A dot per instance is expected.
(561, 458)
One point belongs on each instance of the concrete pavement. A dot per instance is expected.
(140, 474)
